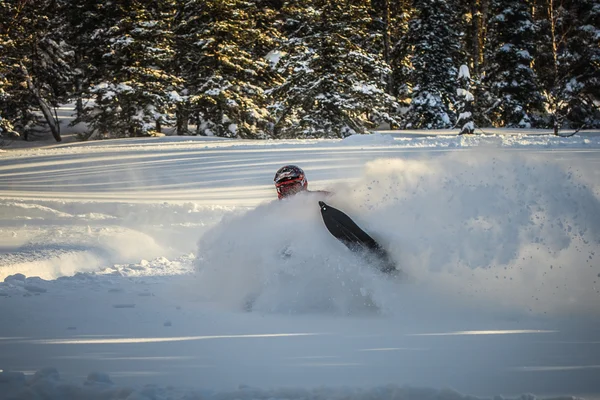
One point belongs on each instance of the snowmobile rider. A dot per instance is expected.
(290, 179)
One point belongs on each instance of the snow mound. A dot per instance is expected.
(20, 284)
(58, 251)
(30, 211)
(370, 139)
(51, 263)
(159, 266)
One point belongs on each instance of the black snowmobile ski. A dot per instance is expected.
(346, 231)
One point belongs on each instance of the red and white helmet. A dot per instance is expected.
(289, 180)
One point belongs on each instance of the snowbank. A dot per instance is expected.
(87, 236)
(371, 139)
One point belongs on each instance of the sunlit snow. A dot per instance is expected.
(165, 268)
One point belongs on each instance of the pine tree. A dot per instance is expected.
(84, 21)
(514, 96)
(35, 66)
(221, 54)
(434, 38)
(12, 96)
(132, 88)
(333, 87)
(465, 103)
(581, 59)
(395, 25)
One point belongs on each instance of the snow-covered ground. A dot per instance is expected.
(163, 268)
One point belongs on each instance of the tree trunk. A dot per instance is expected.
(182, 117)
(78, 87)
(198, 125)
(552, 19)
(386, 31)
(485, 9)
(387, 54)
(44, 107)
(476, 37)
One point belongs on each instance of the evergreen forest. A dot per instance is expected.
(261, 69)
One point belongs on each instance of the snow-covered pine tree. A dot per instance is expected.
(581, 58)
(35, 65)
(434, 38)
(88, 27)
(514, 96)
(465, 102)
(395, 25)
(14, 99)
(55, 54)
(7, 106)
(132, 88)
(333, 87)
(84, 20)
(221, 55)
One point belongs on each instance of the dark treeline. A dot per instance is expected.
(302, 68)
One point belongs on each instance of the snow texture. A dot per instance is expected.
(165, 268)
